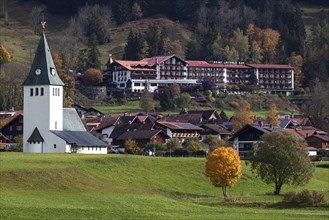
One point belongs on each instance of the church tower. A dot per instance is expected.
(43, 103)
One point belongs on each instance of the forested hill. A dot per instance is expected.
(84, 32)
(213, 30)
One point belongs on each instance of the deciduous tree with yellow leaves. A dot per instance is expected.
(223, 167)
(242, 115)
(272, 116)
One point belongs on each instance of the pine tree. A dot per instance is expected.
(166, 102)
(93, 53)
(136, 11)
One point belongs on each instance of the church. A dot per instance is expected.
(48, 127)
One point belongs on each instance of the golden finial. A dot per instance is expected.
(43, 22)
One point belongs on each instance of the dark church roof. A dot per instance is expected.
(35, 136)
(80, 138)
(43, 71)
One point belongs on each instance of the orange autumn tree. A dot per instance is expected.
(242, 115)
(272, 116)
(223, 167)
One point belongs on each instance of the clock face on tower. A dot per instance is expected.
(37, 72)
(53, 71)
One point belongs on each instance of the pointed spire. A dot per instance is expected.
(43, 70)
(35, 136)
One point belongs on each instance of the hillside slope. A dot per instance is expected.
(74, 186)
(20, 40)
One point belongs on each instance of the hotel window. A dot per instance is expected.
(31, 92)
(42, 91)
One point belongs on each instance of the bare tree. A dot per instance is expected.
(36, 15)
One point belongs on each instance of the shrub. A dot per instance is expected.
(234, 104)
(92, 77)
(305, 197)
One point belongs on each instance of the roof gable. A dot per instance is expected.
(139, 134)
(35, 136)
(43, 70)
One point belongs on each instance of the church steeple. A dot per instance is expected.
(43, 71)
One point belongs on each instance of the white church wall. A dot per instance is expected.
(92, 150)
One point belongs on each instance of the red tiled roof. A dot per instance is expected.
(236, 66)
(135, 65)
(179, 126)
(106, 122)
(156, 59)
(197, 63)
(270, 66)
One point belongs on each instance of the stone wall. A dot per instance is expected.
(93, 92)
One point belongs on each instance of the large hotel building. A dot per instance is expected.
(157, 72)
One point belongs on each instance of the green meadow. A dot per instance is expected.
(71, 186)
(134, 107)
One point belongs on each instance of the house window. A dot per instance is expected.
(42, 92)
(10, 128)
(31, 92)
(58, 92)
(55, 124)
(53, 91)
(54, 146)
(88, 148)
(36, 91)
(313, 144)
(19, 127)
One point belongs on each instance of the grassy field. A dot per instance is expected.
(68, 186)
(134, 107)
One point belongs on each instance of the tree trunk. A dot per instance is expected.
(224, 191)
(277, 188)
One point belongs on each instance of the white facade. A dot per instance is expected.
(43, 109)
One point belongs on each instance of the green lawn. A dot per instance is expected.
(58, 186)
(134, 107)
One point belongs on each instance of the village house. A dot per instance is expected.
(13, 126)
(181, 131)
(246, 138)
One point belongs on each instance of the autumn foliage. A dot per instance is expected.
(242, 115)
(92, 77)
(223, 167)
